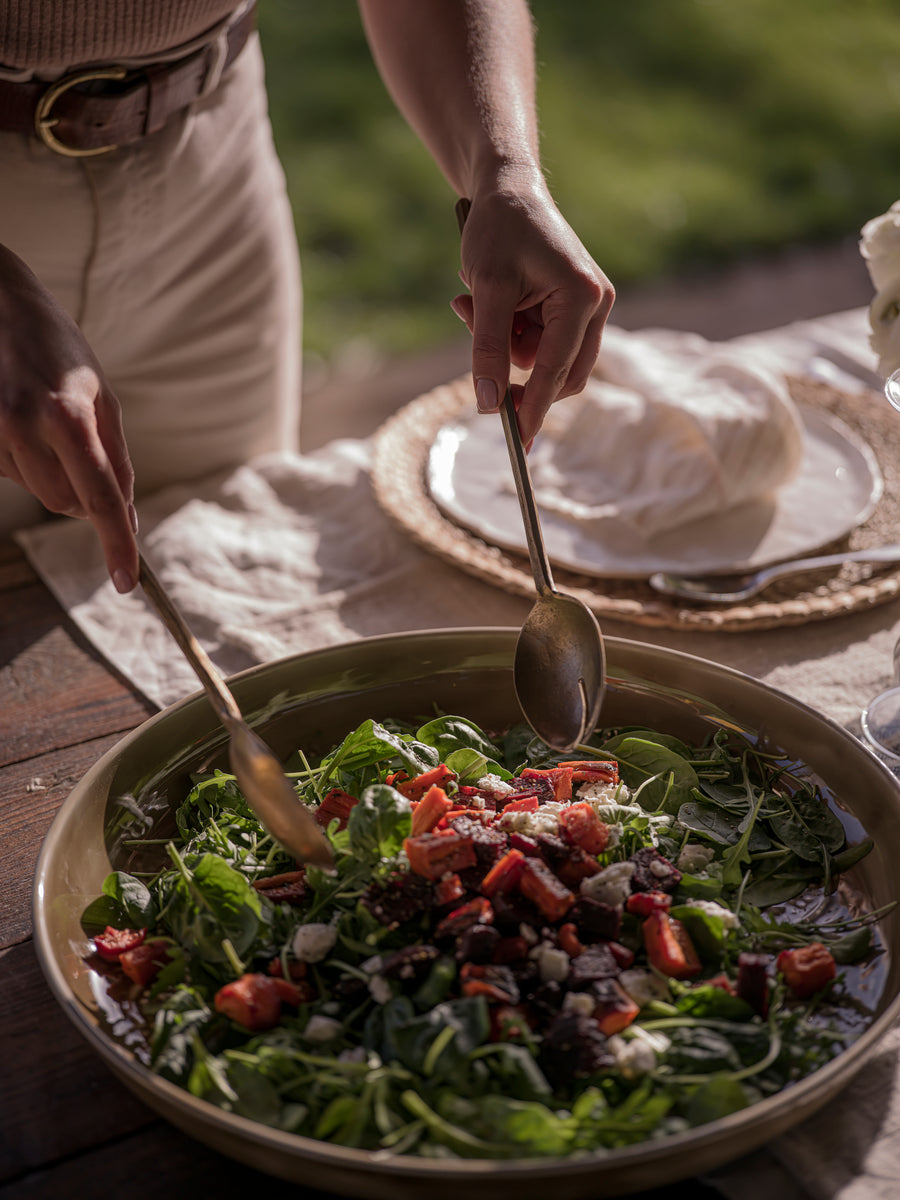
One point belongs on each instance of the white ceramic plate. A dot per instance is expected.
(836, 489)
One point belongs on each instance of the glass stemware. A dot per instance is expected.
(881, 720)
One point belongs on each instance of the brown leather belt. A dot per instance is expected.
(97, 109)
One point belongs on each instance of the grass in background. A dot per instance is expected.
(677, 135)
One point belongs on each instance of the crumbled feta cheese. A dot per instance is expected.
(312, 942)
(695, 858)
(600, 794)
(494, 785)
(552, 962)
(372, 965)
(529, 934)
(727, 917)
(579, 1002)
(322, 1029)
(543, 820)
(380, 989)
(633, 1057)
(643, 986)
(610, 886)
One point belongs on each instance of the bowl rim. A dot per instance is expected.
(170, 1099)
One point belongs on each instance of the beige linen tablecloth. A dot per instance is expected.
(292, 553)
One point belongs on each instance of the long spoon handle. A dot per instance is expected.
(221, 698)
(537, 552)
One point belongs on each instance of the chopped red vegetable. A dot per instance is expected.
(538, 883)
(669, 946)
(415, 789)
(504, 874)
(434, 854)
(336, 803)
(112, 943)
(806, 969)
(432, 808)
(642, 904)
(144, 962)
(580, 825)
(255, 1001)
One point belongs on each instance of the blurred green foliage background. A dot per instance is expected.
(677, 134)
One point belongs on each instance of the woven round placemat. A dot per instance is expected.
(399, 476)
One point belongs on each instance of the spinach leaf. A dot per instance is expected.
(125, 902)
(211, 902)
(447, 734)
(378, 824)
(807, 826)
(657, 766)
(721, 826)
(717, 1097)
(175, 1027)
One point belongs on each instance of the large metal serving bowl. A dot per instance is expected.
(312, 700)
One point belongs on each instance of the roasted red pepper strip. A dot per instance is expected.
(428, 811)
(254, 1001)
(415, 789)
(504, 874)
(806, 969)
(336, 803)
(580, 826)
(669, 947)
(642, 904)
(144, 962)
(544, 889)
(435, 854)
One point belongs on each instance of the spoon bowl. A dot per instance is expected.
(560, 661)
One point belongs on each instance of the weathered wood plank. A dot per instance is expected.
(58, 1095)
(55, 691)
(31, 792)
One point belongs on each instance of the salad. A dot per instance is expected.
(517, 953)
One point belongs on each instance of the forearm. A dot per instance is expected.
(462, 73)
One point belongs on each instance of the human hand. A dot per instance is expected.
(536, 299)
(61, 435)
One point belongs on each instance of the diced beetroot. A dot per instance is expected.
(297, 969)
(642, 904)
(580, 826)
(595, 962)
(433, 806)
(596, 920)
(435, 854)
(623, 956)
(614, 1009)
(504, 874)
(510, 950)
(112, 943)
(477, 911)
(477, 944)
(415, 789)
(336, 803)
(652, 872)
(538, 884)
(144, 962)
(753, 981)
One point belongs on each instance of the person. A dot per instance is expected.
(149, 276)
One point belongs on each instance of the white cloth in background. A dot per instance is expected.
(664, 436)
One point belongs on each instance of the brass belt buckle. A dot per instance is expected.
(44, 122)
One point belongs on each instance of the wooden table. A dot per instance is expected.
(68, 1128)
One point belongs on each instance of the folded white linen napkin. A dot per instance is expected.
(666, 434)
(285, 554)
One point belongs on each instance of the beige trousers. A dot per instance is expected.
(178, 258)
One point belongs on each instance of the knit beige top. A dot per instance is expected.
(44, 34)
